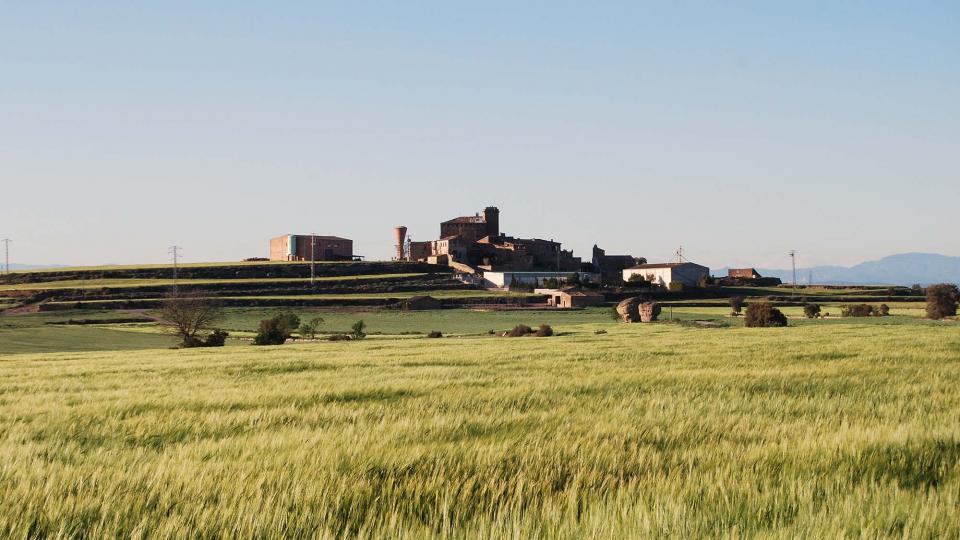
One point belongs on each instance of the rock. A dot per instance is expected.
(649, 311)
(628, 310)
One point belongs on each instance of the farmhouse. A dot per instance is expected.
(572, 297)
(663, 274)
(744, 273)
(297, 247)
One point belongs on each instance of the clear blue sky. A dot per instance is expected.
(739, 130)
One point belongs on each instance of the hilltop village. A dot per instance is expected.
(480, 253)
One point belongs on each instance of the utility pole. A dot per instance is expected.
(313, 258)
(175, 251)
(6, 253)
(793, 262)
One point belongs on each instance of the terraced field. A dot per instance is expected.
(250, 284)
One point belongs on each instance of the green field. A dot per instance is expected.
(819, 430)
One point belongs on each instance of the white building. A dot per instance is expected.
(504, 279)
(687, 273)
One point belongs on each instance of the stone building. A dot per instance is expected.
(477, 241)
(297, 247)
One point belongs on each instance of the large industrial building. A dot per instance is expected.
(477, 242)
(307, 247)
(687, 274)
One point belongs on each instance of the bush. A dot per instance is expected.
(544, 331)
(811, 310)
(520, 330)
(356, 331)
(435, 334)
(217, 339)
(736, 304)
(884, 310)
(339, 337)
(762, 315)
(637, 279)
(675, 286)
(273, 331)
(942, 300)
(858, 310)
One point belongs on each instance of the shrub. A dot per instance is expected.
(339, 337)
(762, 315)
(520, 330)
(884, 310)
(217, 339)
(675, 286)
(544, 331)
(811, 310)
(736, 304)
(637, 279)
(356, 331)
(272, 331)
(942, 300)
(435, 334)
(858, 310)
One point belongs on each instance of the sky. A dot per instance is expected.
(738, 130)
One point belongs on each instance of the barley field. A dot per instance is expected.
(813, 431)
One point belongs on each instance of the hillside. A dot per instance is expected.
(904, 269)
(240, 284)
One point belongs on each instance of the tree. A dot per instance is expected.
(942, 300)
(277, 329)
(811, 310)
(356, 331)
(189, 316)
(762, 314)
(736, 304)
(309, 329)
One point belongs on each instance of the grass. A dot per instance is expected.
(138, 282)
(821, 430)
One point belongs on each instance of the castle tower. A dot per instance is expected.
(491, 215)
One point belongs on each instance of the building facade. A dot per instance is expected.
(305, 247)
(687, 274)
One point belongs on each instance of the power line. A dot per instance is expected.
(6, 252)
(793, 262)
(313, 258)
(175, 251)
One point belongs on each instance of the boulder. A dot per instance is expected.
(649, 311)
(628, 310)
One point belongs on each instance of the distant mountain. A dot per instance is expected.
(31, 266)
(904, 269)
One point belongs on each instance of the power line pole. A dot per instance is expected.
(175, 251)
(313, 258)
(6, 253)
(793, 262)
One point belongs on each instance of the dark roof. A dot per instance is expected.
(662, 265)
